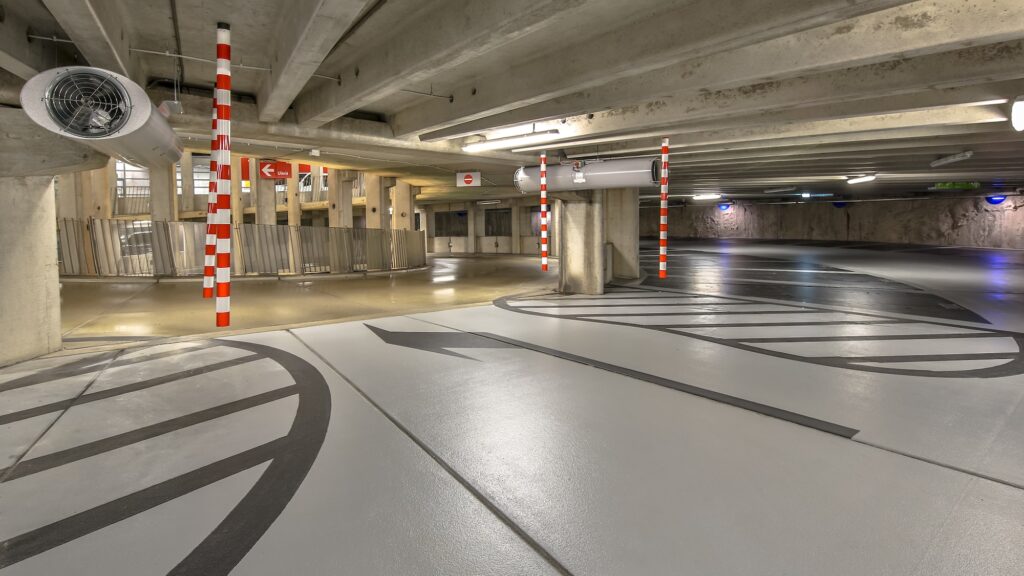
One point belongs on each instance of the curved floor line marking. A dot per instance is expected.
(291, 457)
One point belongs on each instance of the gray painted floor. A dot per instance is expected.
(695, 425)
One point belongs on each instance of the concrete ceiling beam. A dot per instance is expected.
(901, 85)
(99, 30)
(904, 32)
(940, 121)
(682, 30)
(19, 54)
(358, 135)
(431, 44)
(309, 31)
(27, 149)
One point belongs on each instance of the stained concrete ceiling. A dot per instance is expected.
(793, 96)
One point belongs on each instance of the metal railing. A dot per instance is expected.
(110, 247)
(131, 200)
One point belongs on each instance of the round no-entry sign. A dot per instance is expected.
(468, 179)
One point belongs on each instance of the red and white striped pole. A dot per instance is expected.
(544, 211)
(223, 216)
(663, 222)
(210, 253)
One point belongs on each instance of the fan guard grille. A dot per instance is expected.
(88, 103)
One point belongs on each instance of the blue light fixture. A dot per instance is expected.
(724, 206)
(995, 200)
(839, 204)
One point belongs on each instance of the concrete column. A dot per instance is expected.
(402, 216)
(163, 194)
(95, 192)
(581, 268)
(163, 207)
(294, 221)
(266, 201)
(237, 211)
(339, 210)
(471, 228)
(316, 181)
(67, 199)
(517, 214)
(375, 203)
(30, 306)
(188, 183)
(622, 230)
(428, 227)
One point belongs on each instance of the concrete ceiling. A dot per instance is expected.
(797, 96)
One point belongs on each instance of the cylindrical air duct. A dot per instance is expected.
(598, 175)
(104, 110)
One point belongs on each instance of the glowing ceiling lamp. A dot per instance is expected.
(995, 200)
(1017, 114)
(707, 196)
(513, 142)
(861, 179)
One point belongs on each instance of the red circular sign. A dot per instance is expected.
(468, 178)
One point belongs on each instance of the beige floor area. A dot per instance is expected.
(101, 312)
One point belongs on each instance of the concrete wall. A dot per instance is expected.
(30, 306)
(955, 222)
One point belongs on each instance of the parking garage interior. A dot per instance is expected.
(389, 287)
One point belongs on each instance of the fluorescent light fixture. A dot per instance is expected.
(707, 196)
(1017, 114)
(805, 195)
(780, 190)
(965, 155)
(861, 179)
(513, 142)
(488, 202)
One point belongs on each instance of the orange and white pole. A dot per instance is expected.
(222, 219)
(544, 211)
(663, 222)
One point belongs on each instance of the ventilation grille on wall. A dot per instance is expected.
(88, 103)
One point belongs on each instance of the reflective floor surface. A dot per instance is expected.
(110, 312)
(769, 409)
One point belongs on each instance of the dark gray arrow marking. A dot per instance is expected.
(438, 342)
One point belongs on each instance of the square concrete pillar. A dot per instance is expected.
(188, 183)
(339, 198)
(316, 181)
(376, 210)
(30, 307)
(581, 264)
(163, 193)
(403, 208)
(266, 200)
(471, 211)
(517, 215)
(622, 231)
(294, 221)
(237, 211)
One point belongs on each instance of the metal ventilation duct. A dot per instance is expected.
(103, 110)
(625, 173)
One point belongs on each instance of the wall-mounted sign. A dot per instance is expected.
(272, 170)
(463, 179)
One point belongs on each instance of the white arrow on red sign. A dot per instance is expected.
(267, 170)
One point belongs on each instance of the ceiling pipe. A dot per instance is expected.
(627, 173)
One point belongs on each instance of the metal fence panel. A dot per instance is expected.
(112, 247)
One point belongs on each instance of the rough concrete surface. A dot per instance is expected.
(959, 222)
